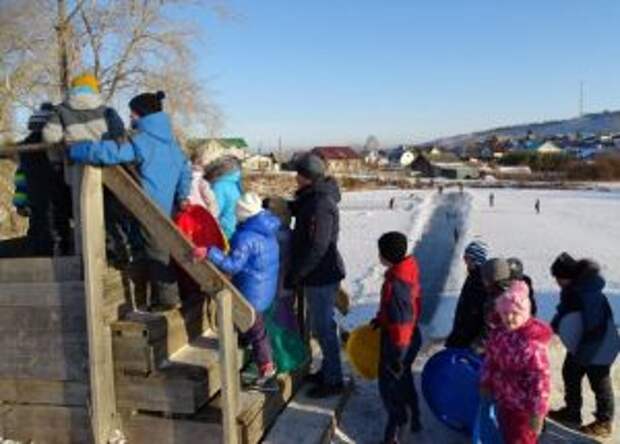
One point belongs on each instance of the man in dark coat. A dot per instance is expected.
(469, 317)
(596, 347)
(317, 265)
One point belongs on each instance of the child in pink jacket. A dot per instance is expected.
(516, 368)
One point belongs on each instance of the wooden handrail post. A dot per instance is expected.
(229, 373)
(104, 418)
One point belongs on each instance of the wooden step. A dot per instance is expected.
(143, 341)
(258, 411)
(41, 269)
(45, 424)
(308, 421)
(182, 384)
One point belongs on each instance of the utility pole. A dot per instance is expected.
(581, 98)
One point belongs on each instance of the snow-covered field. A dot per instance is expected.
(583, 223)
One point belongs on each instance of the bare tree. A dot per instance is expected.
(130, 45)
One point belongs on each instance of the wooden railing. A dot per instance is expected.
(233, 310)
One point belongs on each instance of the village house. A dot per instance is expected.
(448, 170)
(212, 148)
(340, 159)
(258, 162)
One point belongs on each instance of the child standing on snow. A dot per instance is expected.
(516, 370)
(253, 262)
(399, 311)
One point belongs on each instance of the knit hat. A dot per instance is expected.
(516, 267)
(495, 270)
(248, 205)
(476, 252)
(85, 81)
(310, 166)
(147, 103)
(515, 300)
(564, 266)
(393, 246)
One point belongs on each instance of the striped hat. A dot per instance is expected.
(476, 252)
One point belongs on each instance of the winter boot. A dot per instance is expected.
(597, 429)
(266, 382)
(567, 417)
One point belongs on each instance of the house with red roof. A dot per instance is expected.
(340, 159)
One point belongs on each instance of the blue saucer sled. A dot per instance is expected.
(451, 387)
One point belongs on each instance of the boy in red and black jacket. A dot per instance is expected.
(399, 311)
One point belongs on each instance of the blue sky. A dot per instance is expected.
(335, 71)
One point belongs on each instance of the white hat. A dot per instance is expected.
(248, 205)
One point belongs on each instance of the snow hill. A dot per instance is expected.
(583, 223)
(604, 122)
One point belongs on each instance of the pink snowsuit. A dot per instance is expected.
(516, 373)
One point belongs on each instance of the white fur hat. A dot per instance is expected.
(248, 205)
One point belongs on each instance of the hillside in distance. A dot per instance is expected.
(603, 122)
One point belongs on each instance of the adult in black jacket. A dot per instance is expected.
(317, 265)
(468, 322)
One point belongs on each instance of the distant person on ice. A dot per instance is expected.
(516, 371)
(399, 312)
(468, 323)
(594, 344)
(492, 200)
(537, 206)
(391, 204)
(317, 266)
(253, 261)
(164, 173)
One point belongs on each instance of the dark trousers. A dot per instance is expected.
(161, 275)
(399, 394)
(49, 231)
(599, 377)
(256, 336)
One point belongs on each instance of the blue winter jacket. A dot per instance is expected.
(253, 260)
(227, 191)
(164, 170)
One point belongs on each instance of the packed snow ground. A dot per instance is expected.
(584, 223)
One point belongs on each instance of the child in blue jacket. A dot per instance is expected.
(164, 172)
(253, 262)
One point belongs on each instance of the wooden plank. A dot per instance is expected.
(45, 424)
(50, 294)
(47, 320)
(228, 367)
(41, 269)
(142, 429)
(40, 356)
(37, 391)
(160, 226)
(306, 420)
(104, 416)
(76, 178)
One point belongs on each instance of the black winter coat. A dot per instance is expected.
(469, 316)
(316, 260)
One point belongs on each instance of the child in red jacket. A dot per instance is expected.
(397, 318)
(516, 367)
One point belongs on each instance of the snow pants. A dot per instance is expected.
(398, 393)
(256, 336)
(515, 426)
(600, 381)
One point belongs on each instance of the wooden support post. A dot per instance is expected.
(229, 373)
(104, 418)
(75, 173)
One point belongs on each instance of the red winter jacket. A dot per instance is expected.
(516, 367)
(399, 309)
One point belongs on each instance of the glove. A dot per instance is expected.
(374, 323)
(396, 368)
(536, 423)
(199, 253)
